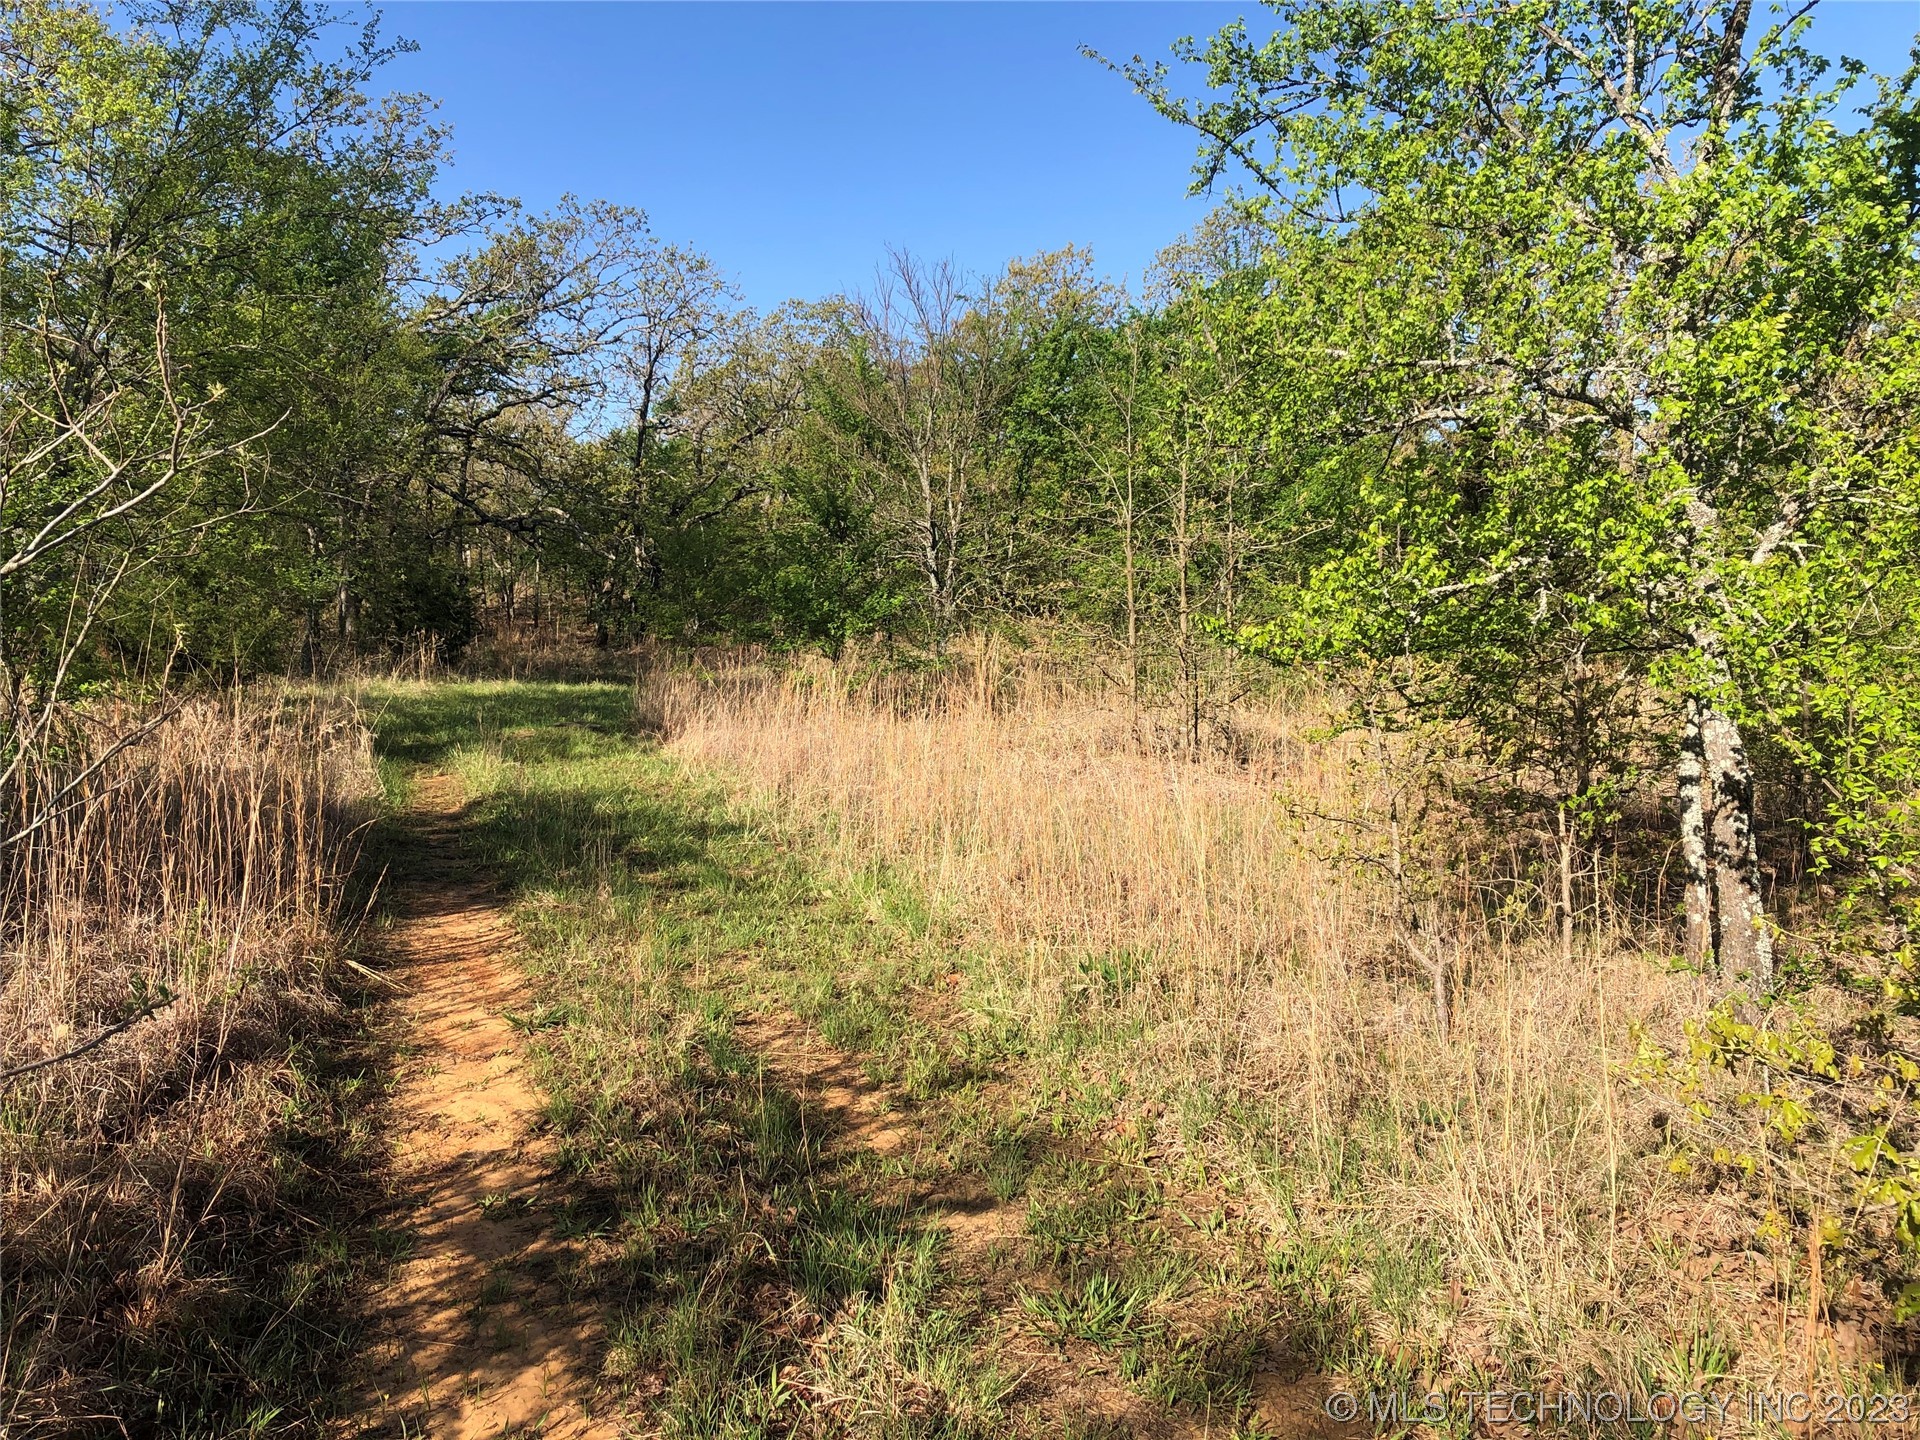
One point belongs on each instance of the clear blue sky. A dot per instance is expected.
(795, 142)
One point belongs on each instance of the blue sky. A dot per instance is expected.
(795, 142)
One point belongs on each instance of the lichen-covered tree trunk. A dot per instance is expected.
(1742, 941)
(1725, 910)
(1693, 841)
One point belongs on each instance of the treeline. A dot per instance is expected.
(1552, 379)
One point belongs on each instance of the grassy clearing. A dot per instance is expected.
(1205, 962)
(770, 1276)
(1153, 1017)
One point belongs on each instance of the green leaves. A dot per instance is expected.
(1593, 297)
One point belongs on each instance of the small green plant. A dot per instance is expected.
(1102, 1310)
(541, 1017)
(1109, 976)
(1787, 1074)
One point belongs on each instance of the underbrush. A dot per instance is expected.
(171, 1249)
(1496, 1144)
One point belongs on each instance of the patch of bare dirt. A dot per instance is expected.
(1294, 1407)
(827, 1082)
(476, 1332)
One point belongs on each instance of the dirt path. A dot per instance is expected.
(477, 1333)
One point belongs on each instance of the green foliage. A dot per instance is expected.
(157, 193)
(1813, 1109)
(1604, 342)
(1523, 396)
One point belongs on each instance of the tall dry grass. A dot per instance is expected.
(1490, 1196)
(144, 1183)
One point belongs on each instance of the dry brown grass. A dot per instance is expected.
(1223, 934)
(143, 1184)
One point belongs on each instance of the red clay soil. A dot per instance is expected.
(477, 1334)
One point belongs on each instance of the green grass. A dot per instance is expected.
(757, 1269)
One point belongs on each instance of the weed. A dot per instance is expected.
(1100, 1310)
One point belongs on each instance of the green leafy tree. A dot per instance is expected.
(1597, 277)
(198, 211)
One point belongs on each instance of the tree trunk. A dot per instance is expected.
(1183, 566)
(1726, 914)
(1724, 813)
(929, 538)
(1566, 891)
(1744, 943)
(1693, 841)
(1133, 623)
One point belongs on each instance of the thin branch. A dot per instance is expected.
(119, 1027)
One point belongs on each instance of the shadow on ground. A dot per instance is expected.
(422, 725)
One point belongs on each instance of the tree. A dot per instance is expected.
(1593, 274)
(196, 211)
(913, 394)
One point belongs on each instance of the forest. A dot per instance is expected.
(1071, 859)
